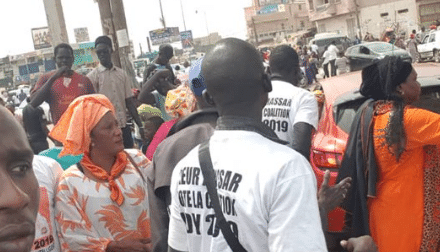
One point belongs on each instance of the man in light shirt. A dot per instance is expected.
(333, 54)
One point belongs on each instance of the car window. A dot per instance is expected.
(345, 114)
(425, 40)
(432, 38)
(382, 47)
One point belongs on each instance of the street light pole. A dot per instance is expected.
(161, 12)
(183, 15)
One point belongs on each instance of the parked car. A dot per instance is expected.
(325, 39)
(430, 46)
(342, 100)
(362, 55)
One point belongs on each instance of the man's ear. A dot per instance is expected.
(208, 98)
(267, 84)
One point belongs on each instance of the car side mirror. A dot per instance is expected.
(365, 50)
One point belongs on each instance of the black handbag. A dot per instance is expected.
(211, 185)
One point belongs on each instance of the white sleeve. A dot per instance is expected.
(294, 220)
(177, 238)
(307, 110)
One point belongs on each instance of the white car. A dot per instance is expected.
(430, 46)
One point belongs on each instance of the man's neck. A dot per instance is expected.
(109, 66)
(280, 77)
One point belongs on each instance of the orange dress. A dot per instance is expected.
(396, 213)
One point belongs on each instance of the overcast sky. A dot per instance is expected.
(18, 17)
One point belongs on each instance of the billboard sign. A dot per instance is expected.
(81, 35)
(187, 39)
(41, 37)
(165, 35)
(273, 8)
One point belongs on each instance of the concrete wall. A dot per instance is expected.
(372, 22)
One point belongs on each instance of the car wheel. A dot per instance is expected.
(437, 56)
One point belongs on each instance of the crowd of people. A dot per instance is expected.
(219, 161)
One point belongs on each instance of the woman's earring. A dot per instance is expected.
(93, 144)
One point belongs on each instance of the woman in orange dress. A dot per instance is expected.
(401, 181)
(101, 202)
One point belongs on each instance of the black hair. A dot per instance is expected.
(177, 68)
(333, 42)
(157, 121)
(62, 45)
(167, 49)
(103, 40)
(283, 59)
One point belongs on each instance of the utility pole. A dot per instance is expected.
(105, 11)
(114, 25)
(183, 15)
(163, 18)
(255, 30)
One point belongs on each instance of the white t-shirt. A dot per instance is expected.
(326, 57)
(333, 52)
(47, 171)
(267, 193)
(288, 105)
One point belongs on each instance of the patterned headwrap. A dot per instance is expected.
(147, 111)
(180, 102)
(74, 128)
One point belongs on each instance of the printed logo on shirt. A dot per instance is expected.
(275, 111)
(227, 181)
(44, 239)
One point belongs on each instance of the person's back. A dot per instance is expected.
(267, 191)
(288, 104)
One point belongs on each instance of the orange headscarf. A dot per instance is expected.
(73, 130)
(75, 125)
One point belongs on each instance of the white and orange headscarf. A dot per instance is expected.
(73, 130)
(75, 125)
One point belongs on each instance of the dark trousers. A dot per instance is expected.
(128, 138)
(333, 65)
(325, 67)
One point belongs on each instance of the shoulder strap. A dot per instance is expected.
(210, 182)
(135, 166)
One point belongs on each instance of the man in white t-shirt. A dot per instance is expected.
(291, 112)
(47, 171)
(333, 54)
(267, 191)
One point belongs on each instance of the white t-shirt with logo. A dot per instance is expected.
(47, 171)
(288, 105)
(267, 192)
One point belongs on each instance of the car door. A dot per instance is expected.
(430, 45)
(352, 55)
(422, 48)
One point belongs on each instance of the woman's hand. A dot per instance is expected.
(137, 245)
